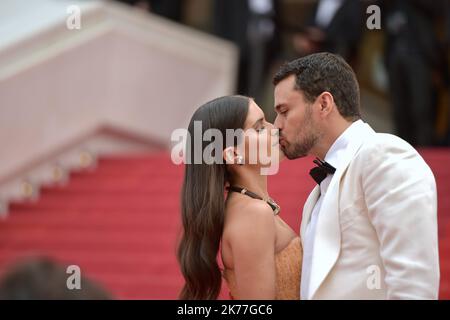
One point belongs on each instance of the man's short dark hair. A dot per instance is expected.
(321, 72)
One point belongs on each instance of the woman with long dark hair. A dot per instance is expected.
(226, 207)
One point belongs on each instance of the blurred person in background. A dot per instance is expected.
(42, 278)
(446, 141)
(416, 65)
(333, 25)
(253, 26)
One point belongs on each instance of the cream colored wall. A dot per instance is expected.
(124, 68)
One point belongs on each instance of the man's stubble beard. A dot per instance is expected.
(303, 144)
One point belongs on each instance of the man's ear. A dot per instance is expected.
(326, 102)
(229, 155)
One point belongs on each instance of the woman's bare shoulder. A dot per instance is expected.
(249, 220)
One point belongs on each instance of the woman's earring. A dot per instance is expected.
(240, 160)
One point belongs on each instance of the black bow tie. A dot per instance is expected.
(320, 172)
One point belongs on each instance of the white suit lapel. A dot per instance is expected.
(327, 242)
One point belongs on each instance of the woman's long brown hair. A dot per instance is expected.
(203, 203)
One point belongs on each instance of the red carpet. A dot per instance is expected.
(120, 222)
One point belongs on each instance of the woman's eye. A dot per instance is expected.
(261, 129)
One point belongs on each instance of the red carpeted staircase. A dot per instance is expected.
(120, 222)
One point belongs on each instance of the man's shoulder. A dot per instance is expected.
(385, 141)
(386, 148)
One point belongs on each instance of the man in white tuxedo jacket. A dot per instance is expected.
(369, 228)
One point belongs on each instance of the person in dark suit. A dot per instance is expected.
(253, 26)
(333, 25)
(447, 49)
(413, 57)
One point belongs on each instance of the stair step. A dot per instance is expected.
(101, 202)
(109, 190)
(98, 221)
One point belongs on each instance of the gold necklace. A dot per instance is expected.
(275, 207)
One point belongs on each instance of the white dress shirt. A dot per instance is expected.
(326, 11)
(334, 154)
(260, 6)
